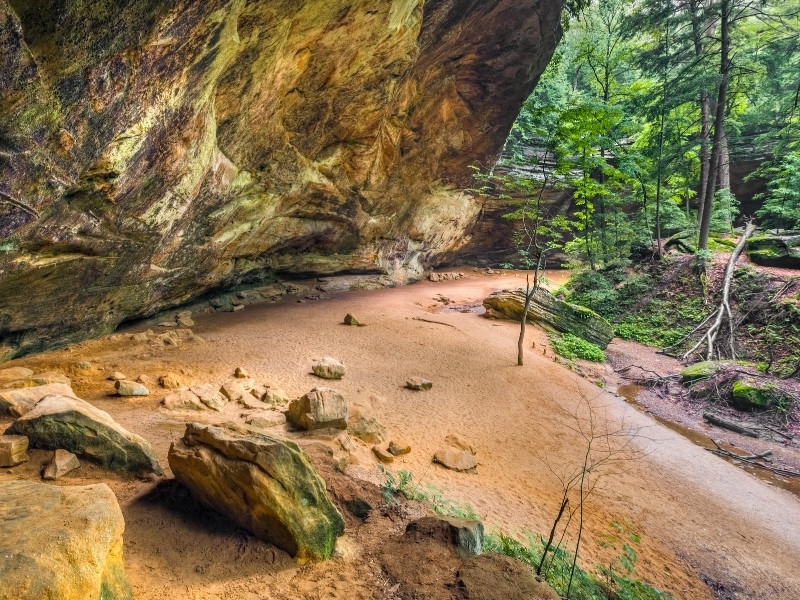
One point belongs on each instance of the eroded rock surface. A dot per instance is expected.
(318, 409)
(263, 482)
(61, 542)
(152, 151)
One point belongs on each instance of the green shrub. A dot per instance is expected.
(572, 347)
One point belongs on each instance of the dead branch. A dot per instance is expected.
(728, 424)
(724, 308)
(434, 322)
(14, 202)
(752, 460)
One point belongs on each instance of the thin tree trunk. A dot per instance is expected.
(701, 27)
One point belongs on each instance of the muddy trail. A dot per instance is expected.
(708, 529)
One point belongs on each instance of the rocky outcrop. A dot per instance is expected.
(61, 542)
(263, 482)
(154, 151)
(75, 425)
(552, 313)
(775, 251)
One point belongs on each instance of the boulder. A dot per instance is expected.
(171, 381)
(465, 535)
(36, 379)
(775, 251)
(749, 393)
(60, 464)
(131, 388)
(366, 429)
(551, 313)
(233, 390)
(699, 371)
(61, 543)
(457, 460)
(456, 441)
(184, 319)
(183, 400)
(209, 395)
(75, 425)
(274, 395)
(17, 402)
(683, 241)
(418, 383)
(263, 482)
(318, 409)
(13, 450)
(328, 368)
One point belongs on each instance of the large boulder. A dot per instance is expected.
(155, 150)
(321, 408)
(75, 425)
(61, 543)
(750, 393)
(17, 402)
(263, 482)
(552, 313)
(775, 250)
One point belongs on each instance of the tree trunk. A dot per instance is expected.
(701, 27)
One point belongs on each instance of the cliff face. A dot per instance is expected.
(153, 150)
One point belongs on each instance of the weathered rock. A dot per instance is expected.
(209, 396)
(146, 380)
(14, 374)
(274, 395)
(775, 251)
(383, 454)
(351, 320)
(418, 383)
(13, 451)
(366, 429)
(263, 482)
(183, 400)
(266, 419)
(184, 319)
(61, 542)
(171, 381)
(318, 409)
(399, 448)
(698, 371)
(328, 368)
(683, 241)
(233, 390)
(494, 576)
(457, 460)
(749, 393)
(358, 507)
(75, 425)
(240, 373)
(131, 388)
(465, 535)
(250, 401)
(61, 463)
(551, 313)
(117, 376)
(456, 441)
(17, 402)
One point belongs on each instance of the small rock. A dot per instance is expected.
(383, 455)
(249, 401)
(466, 535)
(433, 277)
(240, 373)
(328, 368)
(13, 450)
(267, 419)
(84, 365)
(209, 396)
(456, 441)
(62, 463)
(183, 400)
(167, 324)
(346, 442)
(358, 507)
(418, 383)
(184, 319)
(351, 320)
(319, 409)
(131, 388)
(274, 395)
(146, 380)
(399, 448)
(457, 460)
(117, 376)
(232, 390)
(169, 339)
(237, 307)
(171, 381)
(366, 429)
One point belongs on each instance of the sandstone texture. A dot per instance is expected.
(61, 542)
(75, 425)
(13, 450)
(328, 368)
(61, 463)
(263, 482)
(552, 313)
(153, 151)
(17, 402)
(318, 409)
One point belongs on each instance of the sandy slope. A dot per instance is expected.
(700, 519)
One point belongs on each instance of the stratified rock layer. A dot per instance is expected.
(61, 542)
(152, 151)
(263, 482)
(552, 313)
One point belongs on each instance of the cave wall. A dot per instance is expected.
(153, 150)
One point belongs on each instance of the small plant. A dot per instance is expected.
(572, 347)
(403, 485)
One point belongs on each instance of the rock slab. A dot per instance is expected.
(456, 460)
(17, 402)
(209, 395)
(318, 409)
(63, 462)
(13, 450)
(263, 482)
(75, 425)
(61, 542)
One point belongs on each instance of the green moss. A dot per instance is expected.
(750, 394)
(572, 347)
(697, 371)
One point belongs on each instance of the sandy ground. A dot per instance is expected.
(707, 528)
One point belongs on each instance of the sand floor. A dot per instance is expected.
(705, 525)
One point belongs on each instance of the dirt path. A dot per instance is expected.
(700, 519)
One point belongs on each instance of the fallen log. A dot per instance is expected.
(728, 424)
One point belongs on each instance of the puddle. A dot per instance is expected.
(630, 392)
